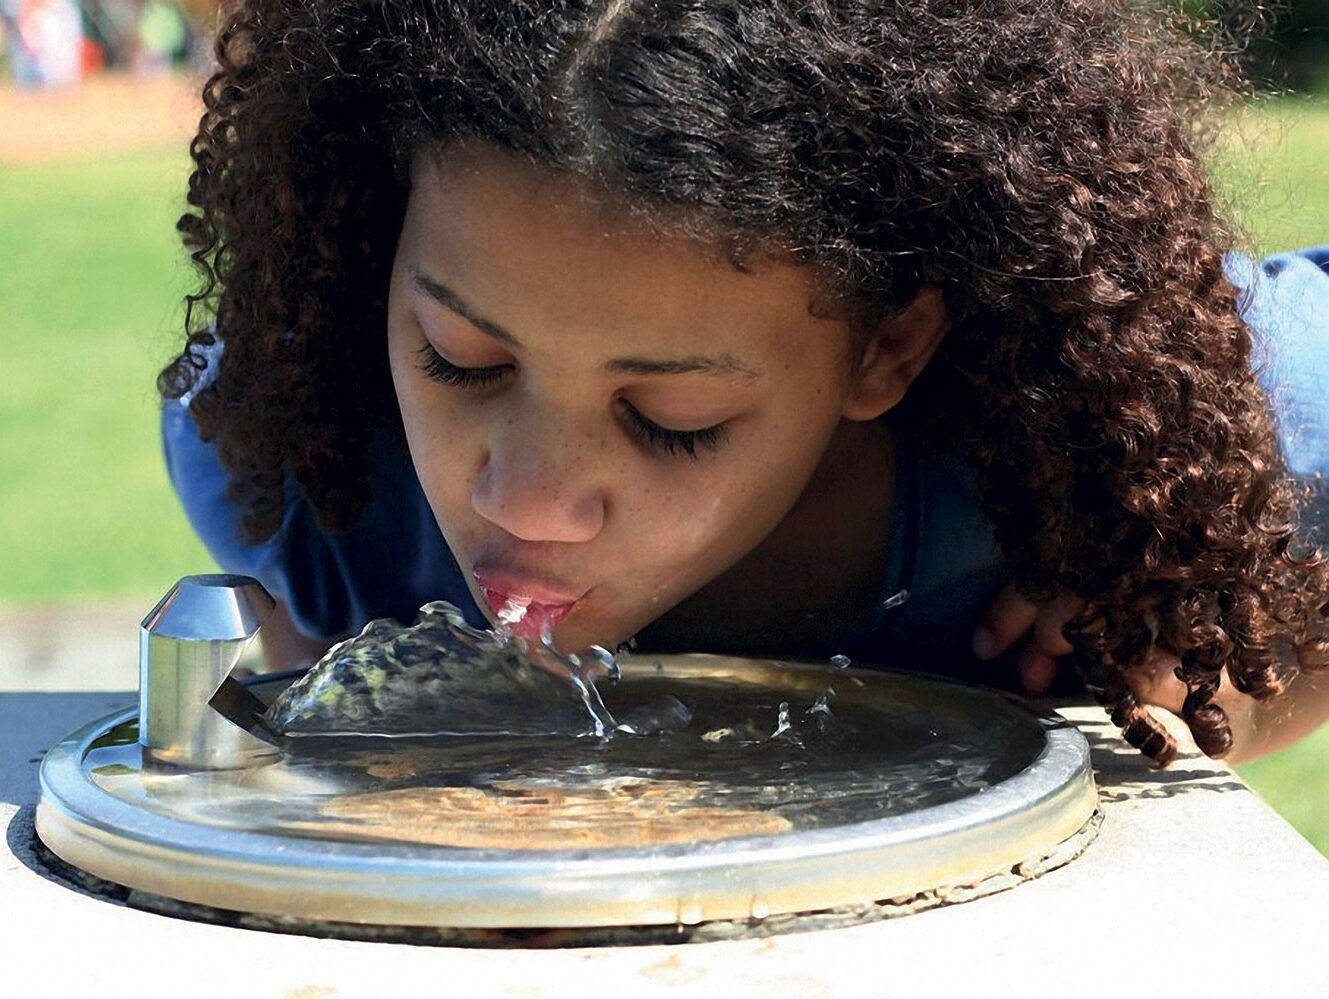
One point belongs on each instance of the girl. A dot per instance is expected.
(788, 327)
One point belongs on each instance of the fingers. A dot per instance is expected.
(1009, 617)
(1052, 617)
(1156, 683)
(1012, 616)
(1037, 671)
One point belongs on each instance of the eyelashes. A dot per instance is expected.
(649, 433)
(440, 370)
(672, 442)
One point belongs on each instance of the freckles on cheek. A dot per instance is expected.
(440, 464)
(676, 532)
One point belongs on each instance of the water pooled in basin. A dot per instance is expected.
(443, 734)
(844, 753)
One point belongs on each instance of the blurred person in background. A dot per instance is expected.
(111, 28)
(55, 43)
(161, 37)
(45, 40)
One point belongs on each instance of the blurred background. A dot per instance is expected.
(98, 99)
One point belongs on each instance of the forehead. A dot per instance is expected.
(539, 250)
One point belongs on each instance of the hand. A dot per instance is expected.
(1010, 618)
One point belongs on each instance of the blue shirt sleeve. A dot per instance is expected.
(200, 481)
(392, 560)
(1285, 301)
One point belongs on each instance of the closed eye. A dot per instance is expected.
(441, 370)
(672, 442)
(646, 431)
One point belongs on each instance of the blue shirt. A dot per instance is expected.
(942, 571)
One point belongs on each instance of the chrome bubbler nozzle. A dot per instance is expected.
(188, 645)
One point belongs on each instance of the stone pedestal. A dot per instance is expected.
(1193, 888)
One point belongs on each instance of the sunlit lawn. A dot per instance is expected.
(90, 284)
(90, 281)
(1275, 173)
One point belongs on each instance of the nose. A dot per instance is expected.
(538, 482)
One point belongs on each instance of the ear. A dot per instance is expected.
(898, 351)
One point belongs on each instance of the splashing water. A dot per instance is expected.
(513, 611)
(442, 677)
(822, 705)
(782, 720)
(751, 732)
(581, 678)
(664, 714)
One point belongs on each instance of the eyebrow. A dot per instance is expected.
(718, 364)
(450, 300)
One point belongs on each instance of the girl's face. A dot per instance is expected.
(603, 420)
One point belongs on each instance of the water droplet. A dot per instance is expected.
(607, 662)
(782, 720)
(840, 662)
(822, 705)
(897, 599)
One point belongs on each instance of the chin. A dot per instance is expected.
(578, 640)
(576, 636)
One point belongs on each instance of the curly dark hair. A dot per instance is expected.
(1037, 160)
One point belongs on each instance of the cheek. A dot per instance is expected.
(401, 363)
(440, 445)
(696, 521)
(673, 519)
(445, 457)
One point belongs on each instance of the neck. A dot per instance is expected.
(811, 580)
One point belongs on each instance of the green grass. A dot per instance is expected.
(1295, 782)
(1273, 172)
(91, 279)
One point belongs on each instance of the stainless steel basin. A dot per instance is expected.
(916, 785)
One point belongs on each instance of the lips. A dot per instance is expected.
(528, 604)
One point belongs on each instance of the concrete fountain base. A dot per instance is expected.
(1193, 887)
